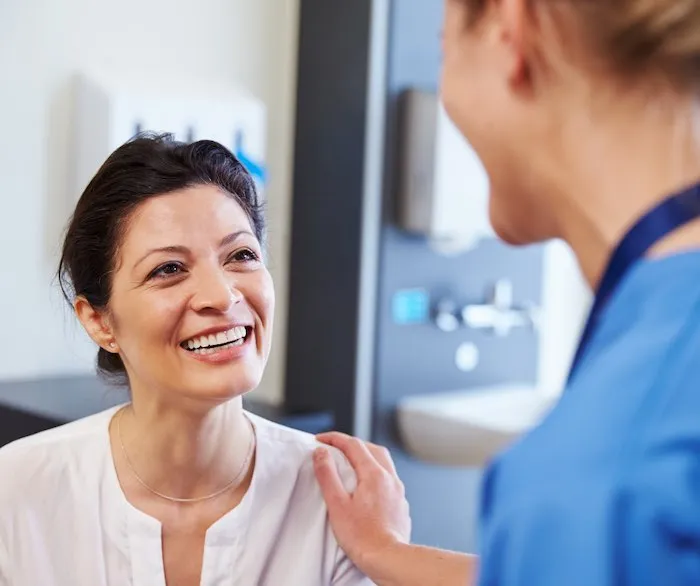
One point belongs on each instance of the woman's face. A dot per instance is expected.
(486, 94)
(192, 302)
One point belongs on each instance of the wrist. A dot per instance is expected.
(382, 563)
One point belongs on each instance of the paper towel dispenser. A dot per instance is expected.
(443, 187)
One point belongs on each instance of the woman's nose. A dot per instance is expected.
(215, 291)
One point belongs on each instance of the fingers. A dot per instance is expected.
(334, 492)
(383, 456)
(362, 455)
(360, 458)
(334, 438)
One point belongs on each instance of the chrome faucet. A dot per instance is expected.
(498, 314)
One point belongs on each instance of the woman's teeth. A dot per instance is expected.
(215, 349)
(215, 342)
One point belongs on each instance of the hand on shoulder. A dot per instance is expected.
(371, 516)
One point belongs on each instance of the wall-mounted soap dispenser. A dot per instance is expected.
(443, 187)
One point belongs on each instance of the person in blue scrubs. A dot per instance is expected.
(586, 116)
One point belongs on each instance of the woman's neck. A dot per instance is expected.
(619, 167)
(185, 453)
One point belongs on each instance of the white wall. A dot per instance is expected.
(43, 43)
(566, 299)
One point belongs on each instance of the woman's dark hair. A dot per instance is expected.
(146, 166)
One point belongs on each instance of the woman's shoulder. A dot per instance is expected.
(291, 451)
(68, 433)
(47, 454)
(272, 432)
(290, 505)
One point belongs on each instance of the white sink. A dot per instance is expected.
(467, 428)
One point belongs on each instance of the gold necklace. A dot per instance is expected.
(221, 491)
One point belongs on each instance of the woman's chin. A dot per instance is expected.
(220, 387)
(507, 234)
(511, 232)
(511, 239)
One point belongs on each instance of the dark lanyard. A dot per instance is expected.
(669, 215)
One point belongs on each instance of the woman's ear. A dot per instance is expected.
(515, 20)
(96, 324)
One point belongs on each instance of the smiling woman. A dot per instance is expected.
(163, 263)
(188, 268)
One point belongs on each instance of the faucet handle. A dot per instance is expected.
(446, 315)
(502, 294)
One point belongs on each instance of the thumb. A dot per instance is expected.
(334, 492)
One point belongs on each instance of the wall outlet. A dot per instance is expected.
(107, 114)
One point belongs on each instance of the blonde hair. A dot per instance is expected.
(635, 37)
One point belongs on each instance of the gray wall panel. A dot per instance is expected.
(327, 206)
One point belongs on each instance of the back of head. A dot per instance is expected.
(145, 167)
(636, 38)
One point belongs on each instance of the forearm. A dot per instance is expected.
(414, 565)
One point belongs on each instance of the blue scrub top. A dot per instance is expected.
(606, 491)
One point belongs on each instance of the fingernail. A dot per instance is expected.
(319, 455)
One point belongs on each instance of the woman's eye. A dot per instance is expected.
(167, 270)
(244, 255)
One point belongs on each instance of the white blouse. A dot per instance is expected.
(64, 520)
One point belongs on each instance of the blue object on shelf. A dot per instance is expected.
(410, 306)
(255, 168)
